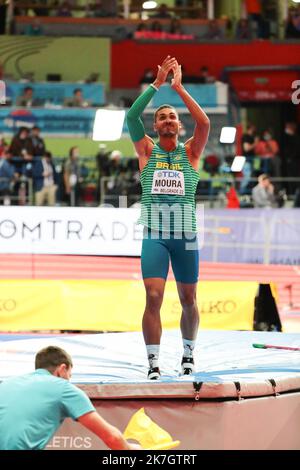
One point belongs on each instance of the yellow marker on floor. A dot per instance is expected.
(147, 433)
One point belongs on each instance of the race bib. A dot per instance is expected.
(168, 182)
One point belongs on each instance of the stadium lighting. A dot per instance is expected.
(227, 135)
(149, 5)
(237, 164)
(108, 124)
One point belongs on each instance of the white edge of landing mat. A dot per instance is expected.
(186, 389)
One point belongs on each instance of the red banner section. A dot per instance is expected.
(129, 59)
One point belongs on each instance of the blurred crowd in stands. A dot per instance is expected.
(28, 99)
(258, 20)
(29, 172)
(265, 161)
(26, 165)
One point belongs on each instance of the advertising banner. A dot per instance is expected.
(209, 95)
(63, 122)
(117, 305)
(70, 230)
(270, 236)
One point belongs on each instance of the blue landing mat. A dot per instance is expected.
(220, 356)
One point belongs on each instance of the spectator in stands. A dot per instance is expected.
(78, 100)
(188, 78)
(94, 10)
(156, 27)
(148, 76)
(227, 25)
(176, 26)
(38, 144)
(177, 32)
(65, 9)
(34, 405)
(141, 31)
(242, 29)
(263, 194)
(102, 164)
(21, 149)
(40, 11)
(3, 16)
(22, 154)
(27, 99)
(134, 189)
(35, 28)
(124, 101)
(291, 153)
(249, 141)
(115, 166)
(162, 12)
(44, 180)
(72, 177)
(297, 198)
(292, 29)
(102, 9)
(211, 164)
(117, 185)
(7, 174)
(103, 160)
(291, 149)
(3, 146)
(254, 15)
(214, 31)
(268, 151)
(204, 76)
(92, 78)
(20, 142)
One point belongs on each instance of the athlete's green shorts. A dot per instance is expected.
(158, 251)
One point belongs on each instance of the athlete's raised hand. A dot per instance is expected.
(164, 69)
(177, 78)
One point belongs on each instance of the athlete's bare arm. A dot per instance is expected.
(145, 145)
(195, 145)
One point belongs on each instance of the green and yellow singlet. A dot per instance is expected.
(169, 184)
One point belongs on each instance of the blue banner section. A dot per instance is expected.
(252, 236)
(56, 93)
(51, 121)
(204, 94)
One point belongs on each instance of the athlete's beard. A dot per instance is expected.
(167, 133)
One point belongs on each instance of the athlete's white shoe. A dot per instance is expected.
(187, 366)
(154, 373)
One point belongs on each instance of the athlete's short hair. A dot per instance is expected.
(162, 107)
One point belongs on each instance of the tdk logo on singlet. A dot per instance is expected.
(168, 174)
(168, 182)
